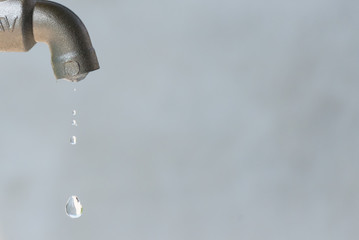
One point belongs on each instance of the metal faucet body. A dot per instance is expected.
(23, 23)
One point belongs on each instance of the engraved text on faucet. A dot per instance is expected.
(6, 25)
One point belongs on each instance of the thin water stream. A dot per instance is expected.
(73, 206)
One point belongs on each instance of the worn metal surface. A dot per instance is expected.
(25, 22)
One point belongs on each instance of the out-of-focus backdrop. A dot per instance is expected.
(208, 120)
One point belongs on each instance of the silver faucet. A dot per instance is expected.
(23, 23)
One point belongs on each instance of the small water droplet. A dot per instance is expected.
(73, 207)
(73, 140)
(74, 112)
(75, 89)
(74, 123)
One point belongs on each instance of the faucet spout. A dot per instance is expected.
(23, 23)
(73, 56)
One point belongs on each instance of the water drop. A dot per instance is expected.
(74, 112)
(74, 123)
(75, 89)
(73, 140)
(73, 207)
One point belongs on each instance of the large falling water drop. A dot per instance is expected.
(73, 207)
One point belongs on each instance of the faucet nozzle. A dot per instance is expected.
(23, 23)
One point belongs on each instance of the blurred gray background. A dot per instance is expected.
(208, 120)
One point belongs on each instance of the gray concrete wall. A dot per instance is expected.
(208, 120)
